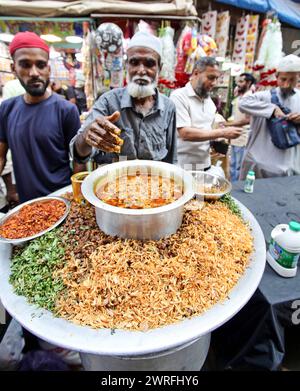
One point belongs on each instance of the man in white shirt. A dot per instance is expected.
(245, 82)
(195, 114)
(261, 155)
(13, 88)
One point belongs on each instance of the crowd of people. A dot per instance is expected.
(40, 122)
(40, 125)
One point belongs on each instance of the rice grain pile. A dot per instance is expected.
(139, 285)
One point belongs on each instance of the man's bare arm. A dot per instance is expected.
(197, 134)
(3, 153)
(11, 191)
(242, 122)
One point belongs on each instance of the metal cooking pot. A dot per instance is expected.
(153, 223)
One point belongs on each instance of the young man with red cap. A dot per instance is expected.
(37, 126)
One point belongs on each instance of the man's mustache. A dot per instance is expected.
(33, 81)
(144, 78)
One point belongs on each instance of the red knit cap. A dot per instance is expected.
(27, 40)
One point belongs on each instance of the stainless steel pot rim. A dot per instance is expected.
(17, 208)
(88, 184)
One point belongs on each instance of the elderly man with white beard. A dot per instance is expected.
(133, 122)
(261, 155)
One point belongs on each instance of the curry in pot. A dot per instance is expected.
(139, 191)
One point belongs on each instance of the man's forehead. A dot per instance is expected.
(141, 52)
(288, 74)
(214, 70)
(30, 54)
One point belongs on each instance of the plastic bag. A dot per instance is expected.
(11, 347)
(168, 54)
(70, 357)
(42, 360)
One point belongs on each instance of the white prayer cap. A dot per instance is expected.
(144, 39)
(290, 63)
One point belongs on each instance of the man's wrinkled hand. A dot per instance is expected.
(278, 113)
(104, 135)
(294, 117)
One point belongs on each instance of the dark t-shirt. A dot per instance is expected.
(80, 98)
(62, 92)
(38, 136)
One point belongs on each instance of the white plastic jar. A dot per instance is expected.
(284, 249)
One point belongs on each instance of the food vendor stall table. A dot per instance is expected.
(180, 346)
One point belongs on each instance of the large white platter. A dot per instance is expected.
(132, 343)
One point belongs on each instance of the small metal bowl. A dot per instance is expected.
(17, 209)
(210, 186)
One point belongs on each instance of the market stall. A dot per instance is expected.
(288, 10)
(181, 39)
(5, 70)
(42, 8)
(68, 39)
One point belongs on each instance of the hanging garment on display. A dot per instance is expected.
(252, 36)
(222, 32)
(209, 23)
(239, 49)
(168, 54)
(270, 52)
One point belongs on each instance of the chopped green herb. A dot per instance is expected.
(231, 204)
(32, 270)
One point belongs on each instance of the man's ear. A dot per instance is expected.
(12, 67)
(195, 72)
(159, 62)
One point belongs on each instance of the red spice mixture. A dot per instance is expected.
(32, 219)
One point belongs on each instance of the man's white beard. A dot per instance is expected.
(141, 91)
(286, 92)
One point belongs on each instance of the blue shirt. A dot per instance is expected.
(149, 137)
(38, 136)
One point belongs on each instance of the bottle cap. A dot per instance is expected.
(294, 226)
(252, 173)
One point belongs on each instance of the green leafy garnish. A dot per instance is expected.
(32, 270)
(231, 205)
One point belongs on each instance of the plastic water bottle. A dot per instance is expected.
(284, 249)
(249, 182)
